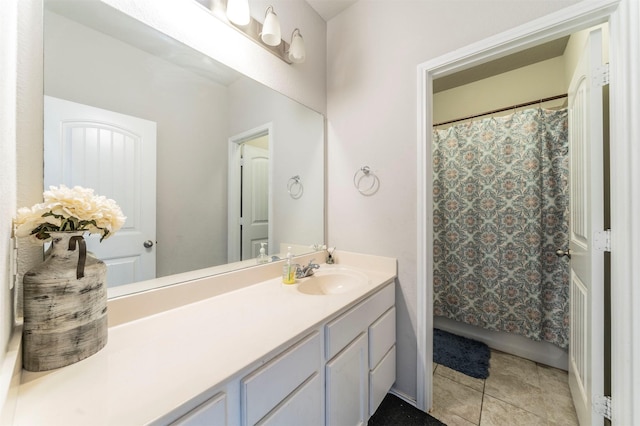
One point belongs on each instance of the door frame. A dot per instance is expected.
(234, 196)
(623, 17)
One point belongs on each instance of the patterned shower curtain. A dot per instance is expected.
(500, 212)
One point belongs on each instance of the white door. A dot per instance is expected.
(115, 155)
(255, 200)
(586, 345)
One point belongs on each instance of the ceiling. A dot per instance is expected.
(327, 9)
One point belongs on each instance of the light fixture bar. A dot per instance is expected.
(253, 31)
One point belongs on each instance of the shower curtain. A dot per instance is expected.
(500, 212)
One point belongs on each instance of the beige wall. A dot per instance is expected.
(543, 79)
(525, 84)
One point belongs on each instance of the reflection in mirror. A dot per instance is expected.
(170, 135)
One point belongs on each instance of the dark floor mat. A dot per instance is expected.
(467, 356)
(395, 412)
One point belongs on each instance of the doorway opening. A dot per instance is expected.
(249, 193)
(496, 274)
(521, 38)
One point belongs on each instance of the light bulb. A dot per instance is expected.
(297, 52)
(271, 28)
(238, 12)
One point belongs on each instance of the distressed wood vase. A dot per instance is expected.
(65, 305)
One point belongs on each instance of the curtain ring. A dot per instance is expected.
(362, 174)
(294, 187)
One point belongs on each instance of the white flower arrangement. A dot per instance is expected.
(69, 209)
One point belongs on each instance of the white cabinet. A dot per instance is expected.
(303, 406)
(347, 383)
(361, 364)
(382, 358)
(285, 387)
(212, 412)
(337, 374)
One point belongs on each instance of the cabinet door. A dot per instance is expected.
(347, 387)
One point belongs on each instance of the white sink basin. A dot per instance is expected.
(332, 281)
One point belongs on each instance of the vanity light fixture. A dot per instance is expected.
(238, 12)
(270, 34)
(237, 15)
(296, 52)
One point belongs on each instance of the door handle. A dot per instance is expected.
(148, 244)
(561, 253)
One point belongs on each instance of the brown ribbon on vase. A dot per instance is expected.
(82, 255)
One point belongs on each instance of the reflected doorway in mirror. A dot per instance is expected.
(249, 193)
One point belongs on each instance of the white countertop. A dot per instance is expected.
(152, 365)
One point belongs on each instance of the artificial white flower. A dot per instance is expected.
(69, 209)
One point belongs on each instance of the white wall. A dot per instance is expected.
(374, 48)
(21, 154)
(298, 149)
(190, 23)
(8, 154)
(86, 66)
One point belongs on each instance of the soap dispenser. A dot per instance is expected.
(262, 257)
(289, 269)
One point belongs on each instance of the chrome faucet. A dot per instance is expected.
(306, 271)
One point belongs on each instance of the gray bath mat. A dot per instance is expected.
(467, 356)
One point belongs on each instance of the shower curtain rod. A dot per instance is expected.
(552, 98)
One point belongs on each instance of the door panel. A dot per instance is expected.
(115, 155)
(255, 200)
(586, 353)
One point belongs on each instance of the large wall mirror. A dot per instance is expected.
(207, 164)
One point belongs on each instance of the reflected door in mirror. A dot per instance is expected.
(255, 200)
(115, 155)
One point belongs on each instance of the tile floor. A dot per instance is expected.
(517, 392)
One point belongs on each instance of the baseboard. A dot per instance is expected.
(540, 352)
(403, 396)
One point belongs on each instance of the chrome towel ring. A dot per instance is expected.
(294, 187)
(365, 181)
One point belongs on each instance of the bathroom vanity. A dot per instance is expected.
(321, 351)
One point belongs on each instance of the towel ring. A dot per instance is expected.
(360, 178)
(294, 187)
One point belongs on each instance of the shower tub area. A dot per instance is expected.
(500, 213)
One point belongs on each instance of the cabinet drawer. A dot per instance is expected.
(304, 405)
(381, 379)
(269, 385)
(382, 335)
(211, 412)
(348, 326)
